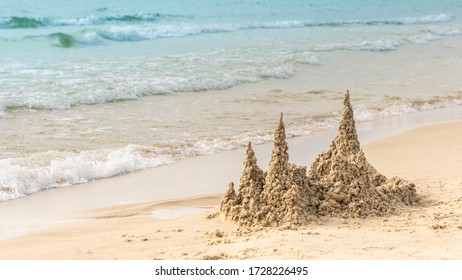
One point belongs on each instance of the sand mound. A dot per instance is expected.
(340, 182)
(282, 196)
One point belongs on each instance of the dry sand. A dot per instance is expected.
(429, 156)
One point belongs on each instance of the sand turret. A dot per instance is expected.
(277, 180)
(347, 138)
(284, 196)
(350, 186)
(243, 204)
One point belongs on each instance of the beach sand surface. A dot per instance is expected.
(184, 228)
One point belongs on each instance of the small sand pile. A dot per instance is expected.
(282, 196)
(350, 186)
(340, 182)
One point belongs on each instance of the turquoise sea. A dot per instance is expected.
(93, 89)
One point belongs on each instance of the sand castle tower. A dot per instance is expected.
(285, 196)
(288, 196)
(277, 180)
(349, 185)
(243, 205)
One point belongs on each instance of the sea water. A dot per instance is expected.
(91, 89)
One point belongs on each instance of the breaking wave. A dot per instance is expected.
(156, 86)
(31, 22)
(15, 22)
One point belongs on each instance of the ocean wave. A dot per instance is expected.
(20, 22)
(430, 35)
(64, 40)
(24, 176)
(397, 106)
(95, 20)
(427, 19)
(133, 33)
(393, 43)
(137, 33)
(166, 85)
(15, 22)
(27, 175)
(439, 18)
(379, 45)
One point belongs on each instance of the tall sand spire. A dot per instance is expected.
(250, 187)
(284, 196)
(347, 129)
(350, 186)
(277, 177)
(277, 180)
(245, 203)
(288, 197)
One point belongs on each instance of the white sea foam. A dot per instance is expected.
(449, 32)
(138, 33)
(306, 58)
(378, 45)
(61, 94)
(30, 174)
(392, 43)
(89, 37)
(403, 107)
(425, 38)
(362, 113)
(420, 20)
(90, 20)
(275, 24)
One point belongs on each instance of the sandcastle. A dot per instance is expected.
(282, 196)
(340, 182)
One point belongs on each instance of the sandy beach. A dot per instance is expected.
(205, 130)
(164, 227)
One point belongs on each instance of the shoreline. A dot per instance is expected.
(403, 154)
